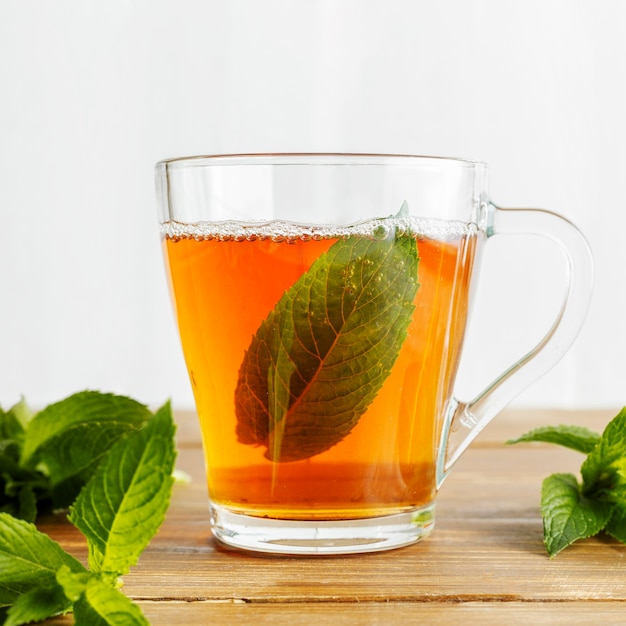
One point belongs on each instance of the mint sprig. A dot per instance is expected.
(119, 508)
(574, 509)
(46, 458)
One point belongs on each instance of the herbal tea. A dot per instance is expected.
(320, 359)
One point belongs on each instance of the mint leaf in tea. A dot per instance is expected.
(322, 354)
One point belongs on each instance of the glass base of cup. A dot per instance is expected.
(274, 536)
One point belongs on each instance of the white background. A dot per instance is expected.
(94, 93)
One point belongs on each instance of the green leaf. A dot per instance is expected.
(568, 515)
(11, 426)
(103, 605)
(85, 408)
(20, 488)
(28, 559)
(577, 438)
(22, 413)
(68, 439)
(36, 605)
(16, 492)
(72, 457)
(616, 526)
(22, 500)
(124, 503)
(27, 500)
(603, 470)
(321, 356)
(73, 583)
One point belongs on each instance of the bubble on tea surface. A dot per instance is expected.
(289, 232)
(380, 232)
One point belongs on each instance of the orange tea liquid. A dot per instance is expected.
(224, 288)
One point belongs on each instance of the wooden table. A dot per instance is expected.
(485, 562)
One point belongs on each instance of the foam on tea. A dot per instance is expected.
(279, 231)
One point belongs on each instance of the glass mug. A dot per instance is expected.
(321, 301)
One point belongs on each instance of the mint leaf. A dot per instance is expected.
(72, 583)
(37, 604)
(45, 460)
(20, 488)
(97, 602)
(67, 440)
(28, 559)
(616, 526)
(72, 457)
(568, 515)
(86, 407)
(603, 471)
(103, 605)
(13, 422)
(577, 438)
(321, 356)
(124, 503)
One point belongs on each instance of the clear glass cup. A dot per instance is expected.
(322, 301)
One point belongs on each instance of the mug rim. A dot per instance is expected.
(318, 158)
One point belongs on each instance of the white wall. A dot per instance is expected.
(94, 93)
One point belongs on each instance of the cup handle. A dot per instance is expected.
(463, 421)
